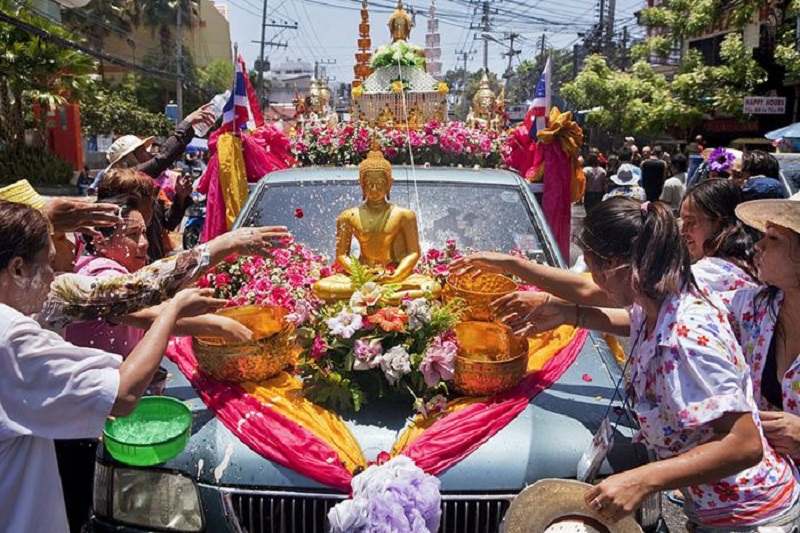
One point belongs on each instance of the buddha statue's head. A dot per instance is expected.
(375, 176)
(400, 23)
(484, 99)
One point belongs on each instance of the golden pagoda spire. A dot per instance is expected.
(362, 69)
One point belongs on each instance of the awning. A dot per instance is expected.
(791, 131)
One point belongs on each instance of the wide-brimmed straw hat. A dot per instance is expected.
(22, 192)
(625, 175)
(558, 505)
(759, 213)
(124, 146)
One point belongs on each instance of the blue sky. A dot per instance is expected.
(328, 29)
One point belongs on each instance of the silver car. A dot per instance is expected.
(220, 485)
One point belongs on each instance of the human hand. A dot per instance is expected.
(227, 329)
(201, 115)
(259, 241)
(782, 430)
(489, 262)
(528, 313)
(68, 215)
(194, 302)
(183, 187)
(619, 495)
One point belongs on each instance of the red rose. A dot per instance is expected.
(298, 213)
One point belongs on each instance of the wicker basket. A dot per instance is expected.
(271, 350)
(490, 358)
(478, 292)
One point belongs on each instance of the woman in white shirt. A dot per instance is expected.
(51, 389)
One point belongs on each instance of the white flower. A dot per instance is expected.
(345, 324)
(368, 295)
(397, 56)
(418, 311)
(302, 312)
(395, 364)
(349, 515)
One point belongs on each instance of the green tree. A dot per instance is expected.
(97, 19)
(161, 17)
(526, 76)
(216, 78)
(114, 112)
(36, 71)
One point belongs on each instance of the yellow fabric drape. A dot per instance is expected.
(232, 175)
(284, 394)
(569, 135)
(541, 348)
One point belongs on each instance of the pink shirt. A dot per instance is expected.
(120, 339)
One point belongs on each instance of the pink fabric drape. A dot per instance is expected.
(556, 199)
(266, 432)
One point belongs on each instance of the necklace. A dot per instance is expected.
(371, 222)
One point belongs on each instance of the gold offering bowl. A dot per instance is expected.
(270, 351)
(478, 291)
(490, 358)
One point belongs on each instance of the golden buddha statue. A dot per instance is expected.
(482, 111)
(415, 118)
(386, 117)
(400, 23)
(387, 236)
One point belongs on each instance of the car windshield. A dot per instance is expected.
(477, 217)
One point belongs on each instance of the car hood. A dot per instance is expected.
(546, 440)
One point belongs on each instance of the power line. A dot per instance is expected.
(66, 43)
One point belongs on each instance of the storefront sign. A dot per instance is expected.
(764, 105)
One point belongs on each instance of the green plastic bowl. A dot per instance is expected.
(155, 432)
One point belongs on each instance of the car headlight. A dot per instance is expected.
(148, 498)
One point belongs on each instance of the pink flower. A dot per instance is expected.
(438, 362)
(433, 254)
(318, 348)
(366, 353)
(222, 279)
(281, 257)
(295, 280)
(203, 282)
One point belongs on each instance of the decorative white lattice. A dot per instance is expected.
(416, 79)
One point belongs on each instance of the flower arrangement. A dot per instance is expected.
(357, 92)
(282, 278)
(442, 88)
(393, 496)
(372, 346)
(434, 144)
(399, 53)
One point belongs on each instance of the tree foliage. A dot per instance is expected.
(114, 112)
(36, 71)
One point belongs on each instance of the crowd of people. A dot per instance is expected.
(699, 272)
(697, 263)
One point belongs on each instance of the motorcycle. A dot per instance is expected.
(195, 218)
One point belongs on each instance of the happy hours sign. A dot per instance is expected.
(764, 105)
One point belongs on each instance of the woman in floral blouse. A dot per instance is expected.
(720, 247)
(690, 385)
(767, 319)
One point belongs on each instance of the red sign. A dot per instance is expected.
(729, 125)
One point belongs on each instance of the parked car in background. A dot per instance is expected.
(790, 171)
(217, 484)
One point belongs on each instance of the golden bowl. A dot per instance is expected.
(478, 291)
(270, 351)
(490, 358)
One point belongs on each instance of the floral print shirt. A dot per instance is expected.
(755, 318)
(715, 275)
(687, 374)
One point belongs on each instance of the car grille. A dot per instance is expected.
(281, 512)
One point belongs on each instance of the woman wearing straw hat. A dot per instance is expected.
(768, 318)
(690, 387)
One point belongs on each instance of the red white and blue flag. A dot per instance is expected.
(537, 116)
(242, 110)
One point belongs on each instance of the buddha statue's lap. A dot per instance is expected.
(387, 236)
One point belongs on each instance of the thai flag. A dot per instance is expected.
(242, 111)
(536, 118)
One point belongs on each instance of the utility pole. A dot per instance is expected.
(612, 7)
(260, 67)
(260, 86)
(512, 52)
(485, 27)
(464, 55)
(179, 63)
(576, 49)
(624, 58)
(542, 49)
(319, 62)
